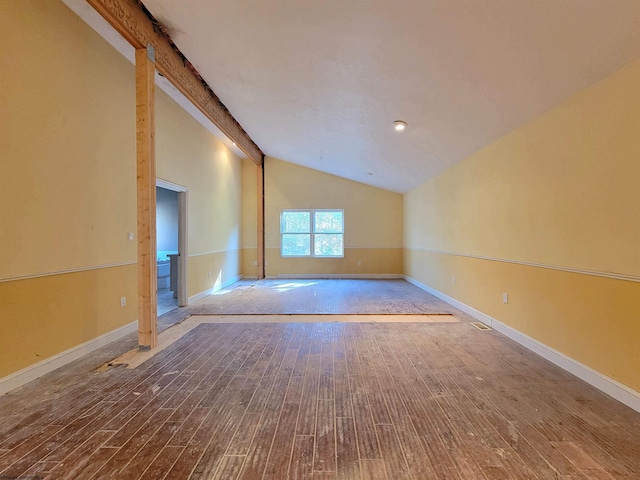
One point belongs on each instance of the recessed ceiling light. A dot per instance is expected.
(369, 173)
(399, 125)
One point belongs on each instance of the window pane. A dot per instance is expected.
(296, 244)
(295, 222)
(328, 245)
(328, 222)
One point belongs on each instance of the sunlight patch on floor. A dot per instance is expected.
(291, 285)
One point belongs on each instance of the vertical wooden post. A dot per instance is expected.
(261, 247)
(146, 194)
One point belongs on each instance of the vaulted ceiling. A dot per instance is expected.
(319, 83)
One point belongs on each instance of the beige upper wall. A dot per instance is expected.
(189, 155)
(249, 204)
(66, 186)
(67, 169)
(562, 190)
(373, 217)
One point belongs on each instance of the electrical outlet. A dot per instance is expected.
(453, 280)
(359, 263)
(130, 236)
(209, 275)
(505, 297)
(123, 301)
(255, 264)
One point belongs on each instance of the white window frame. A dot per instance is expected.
(311, 233)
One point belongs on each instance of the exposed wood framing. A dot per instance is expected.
(146, 194)
(133, 23)
(260, 187)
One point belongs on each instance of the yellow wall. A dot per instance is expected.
(249, 219)
(560, 191)
(68, 186)
(189, 155)
(372, 216)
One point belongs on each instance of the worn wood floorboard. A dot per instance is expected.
(348, 401)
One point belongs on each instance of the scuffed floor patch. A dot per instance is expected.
(168, 337)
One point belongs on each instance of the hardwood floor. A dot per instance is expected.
(344, 296)
(324, 400)
(336, 399)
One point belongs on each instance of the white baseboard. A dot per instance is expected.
(199, 296)
(608, 385)
(304, 276)
(48, 365)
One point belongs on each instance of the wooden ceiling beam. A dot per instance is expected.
(131, 20)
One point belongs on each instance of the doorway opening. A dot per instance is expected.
(171, 246)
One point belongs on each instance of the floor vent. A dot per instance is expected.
(480, 326)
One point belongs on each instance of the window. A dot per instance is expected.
(312, 233)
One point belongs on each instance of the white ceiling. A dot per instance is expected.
(319, 83)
